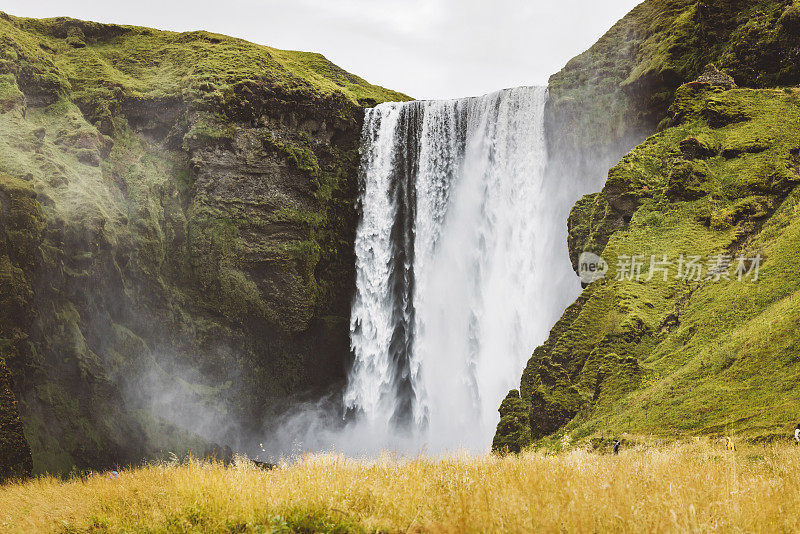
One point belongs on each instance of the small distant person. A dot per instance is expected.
(797, 434)
(616, 446)
(729, 444)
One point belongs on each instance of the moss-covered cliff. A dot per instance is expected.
(184, 252)
(611, 97)
(669, 355)
(618, 91)
(15, 454)
(709, 353)
(21, 225)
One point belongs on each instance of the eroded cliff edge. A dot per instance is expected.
(185, 251)
(720, 178)
(609, 98)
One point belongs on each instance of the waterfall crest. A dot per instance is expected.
(452, 286)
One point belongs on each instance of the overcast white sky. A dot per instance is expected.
(425, 48)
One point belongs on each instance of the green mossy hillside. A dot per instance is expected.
(92, 61)
(189, 266)
(672, 355)
(611, 97)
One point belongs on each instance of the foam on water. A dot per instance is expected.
(456, 280)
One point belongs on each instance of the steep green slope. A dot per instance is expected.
(620, 89)
(611, 97)
(661, 353)
(192, 264)
(86, 59)
(616, 344)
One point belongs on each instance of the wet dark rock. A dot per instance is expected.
(790, 18)
(199, 213)
(514, 429)
(15, 454)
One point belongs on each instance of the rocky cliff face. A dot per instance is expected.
(719, 179)
(610, 98)
(647, 350)
(615, 94)
(183, 256)
(15, 454)
(21, 226)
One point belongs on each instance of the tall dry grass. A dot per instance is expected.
(677, 488)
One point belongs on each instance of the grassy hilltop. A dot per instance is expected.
(87, 60)
(187, 201)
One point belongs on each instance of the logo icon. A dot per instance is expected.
(591, 267)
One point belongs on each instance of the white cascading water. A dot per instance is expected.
(455, 284)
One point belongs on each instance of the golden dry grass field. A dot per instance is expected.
(696, 487)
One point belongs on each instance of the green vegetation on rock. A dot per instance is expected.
(21, 225)
(620, 89)
(669, 355)
(190, 214)
(15, 454)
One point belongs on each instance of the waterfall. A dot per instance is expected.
(454, 288)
